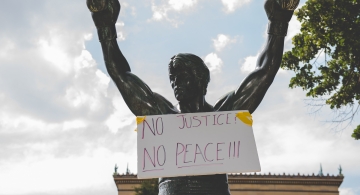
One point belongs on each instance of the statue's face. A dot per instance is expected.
(185, 85)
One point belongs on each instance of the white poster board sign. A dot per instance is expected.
(196, 144)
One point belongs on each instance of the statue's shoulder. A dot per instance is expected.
(225, 103)
(165, 105)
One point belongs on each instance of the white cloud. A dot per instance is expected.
(159, 12)
(83, 61)
(6, 46)
(222, 41)
(249, 64)
(10, 122)
(179, 5)
(126, 8)
(90, 84)
(117, 120)
(162, 11)
(346, 191)
(52, 49)
(133, 11)
(74, 124)
(232, 5)
(119, 29)
(88, 36)
(54, 101)
(103, 82)
(213, 62)
(89, 174)
(121, 116)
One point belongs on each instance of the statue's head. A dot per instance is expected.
(189, 76)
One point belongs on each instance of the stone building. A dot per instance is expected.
(258, 184)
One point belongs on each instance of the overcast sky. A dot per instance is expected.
(64, 125)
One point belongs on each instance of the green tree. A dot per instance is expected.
(330, 27)
(356, 134)
(148, 187)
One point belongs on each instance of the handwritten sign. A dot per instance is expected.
(196, 144)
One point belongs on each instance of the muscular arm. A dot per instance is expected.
(137, 95)
(253, 88)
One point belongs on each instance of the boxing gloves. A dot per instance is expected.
(279, 13)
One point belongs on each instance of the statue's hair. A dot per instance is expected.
(194, 64)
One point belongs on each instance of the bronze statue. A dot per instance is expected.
(189, 78)
(340, 171)
(115, 169)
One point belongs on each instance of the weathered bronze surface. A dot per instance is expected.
(189, 78)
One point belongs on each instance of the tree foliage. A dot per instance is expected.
(330, 27)
(356, 134)
(148, 187)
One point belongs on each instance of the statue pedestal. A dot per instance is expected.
(205, 184)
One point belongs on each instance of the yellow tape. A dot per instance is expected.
(139, 119)
(245, 117)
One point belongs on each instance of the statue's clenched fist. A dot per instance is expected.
(104, 12)
(280, 10)
(96, 5)
(288, 4)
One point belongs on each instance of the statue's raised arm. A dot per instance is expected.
(253, 88)
(137, 95)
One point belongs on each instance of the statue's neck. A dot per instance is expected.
(196, 105)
